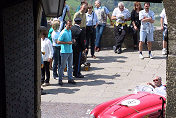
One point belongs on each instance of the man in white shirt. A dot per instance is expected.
(163, 22)
(158, 87)
(121, 15)
(47, 50)
(147, 19)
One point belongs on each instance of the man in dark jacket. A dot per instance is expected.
(78, 38)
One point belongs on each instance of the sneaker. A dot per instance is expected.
(164, 51)
(60, 82)
(150, 56)
(141, 56)
(71, 81)
(115, 49)
(46, 84)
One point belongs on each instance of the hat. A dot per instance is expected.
(77, 19)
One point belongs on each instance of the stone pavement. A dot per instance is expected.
(110, 76)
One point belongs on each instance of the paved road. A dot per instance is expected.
(110, 76)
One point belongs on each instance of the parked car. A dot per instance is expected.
(140, 105)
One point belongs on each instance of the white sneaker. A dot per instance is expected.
(150, 56)
(141, 56)
(164, 51)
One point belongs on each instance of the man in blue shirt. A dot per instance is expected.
(65, 40)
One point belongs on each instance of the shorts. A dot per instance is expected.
(144, 34)
(165, 33)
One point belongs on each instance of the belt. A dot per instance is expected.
(122, 24)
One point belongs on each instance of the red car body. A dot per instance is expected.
(140, 105)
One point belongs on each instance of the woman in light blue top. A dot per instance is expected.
(91, 24)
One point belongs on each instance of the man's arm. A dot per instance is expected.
(145, 19)
(110, 19)
(151, 85)
(62, 42)
(161, 22)
(113, 18)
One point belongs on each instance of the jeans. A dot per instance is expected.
(56, 60)
(99, 32)
(66, 58)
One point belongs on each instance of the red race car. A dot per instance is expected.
(139, 105)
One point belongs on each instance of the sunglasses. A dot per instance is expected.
(155, 80)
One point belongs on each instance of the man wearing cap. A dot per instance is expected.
(78, 38)
(158, 87)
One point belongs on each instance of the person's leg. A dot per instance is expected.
(79, 65)
(97, 36)
(93, 42)
(100, 33)
(88, 35)
(135, 33)
(149, 43)
(59, 58)
(64, 58)
(164, 50)
(43, 74)
(116, 33)
(55, 61)
(141, 42)
(75, 61)
(121, 39)
(47, 72)
(69, 65)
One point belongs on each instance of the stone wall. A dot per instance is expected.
(108, 39)
(171, 62)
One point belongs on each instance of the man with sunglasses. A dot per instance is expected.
(158, 87)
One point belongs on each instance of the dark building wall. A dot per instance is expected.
(171, 62)
(19, 55)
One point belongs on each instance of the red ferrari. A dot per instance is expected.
(140, 105)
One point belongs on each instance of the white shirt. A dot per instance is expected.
(46, 47)
(55, 35)
(146, 26)
(163, 15)
(89, 18)
(121, 14)
(160, 90)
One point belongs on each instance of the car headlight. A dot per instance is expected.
(92, 116)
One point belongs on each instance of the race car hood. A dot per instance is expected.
(131, 104)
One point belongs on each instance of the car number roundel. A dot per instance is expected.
(131, 102)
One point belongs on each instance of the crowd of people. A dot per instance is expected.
(64, 44)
